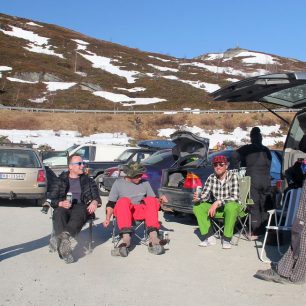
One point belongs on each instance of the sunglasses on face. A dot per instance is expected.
(78, 163)
(137, 176)
(219, 164)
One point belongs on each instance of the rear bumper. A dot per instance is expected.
(29, 196)
(178, 200)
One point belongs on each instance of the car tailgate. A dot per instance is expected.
(19, 180)
(178, 200)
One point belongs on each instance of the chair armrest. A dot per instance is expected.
(271, 211)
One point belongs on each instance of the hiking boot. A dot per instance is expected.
(208, 242)
(226, 245)
(121, 250)
(64, 248)
(156, 249)
(270, 275)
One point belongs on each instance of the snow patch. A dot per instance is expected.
(53, 86)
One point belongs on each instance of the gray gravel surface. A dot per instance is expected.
(185, 275)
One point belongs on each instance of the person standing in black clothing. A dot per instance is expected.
(70, 216)
(257, 160)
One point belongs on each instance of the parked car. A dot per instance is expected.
(90, 153)
(22, 174)
(287, 90)
(154, 165)
(179, 182)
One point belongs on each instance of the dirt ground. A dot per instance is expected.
(185, 275)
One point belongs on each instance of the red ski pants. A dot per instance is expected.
(125, 212)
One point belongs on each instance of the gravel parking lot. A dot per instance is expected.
(185, 275)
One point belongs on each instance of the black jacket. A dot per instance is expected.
(89, 190)
(256, 158)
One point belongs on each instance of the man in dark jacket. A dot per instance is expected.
(257, 160)
(70, 215)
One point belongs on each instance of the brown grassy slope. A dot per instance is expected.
(143, 127)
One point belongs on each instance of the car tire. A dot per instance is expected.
(102, 190)
(40, 202)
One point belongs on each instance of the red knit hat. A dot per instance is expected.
(219, 159)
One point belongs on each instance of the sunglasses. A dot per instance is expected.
(137, 176)
(219, 164)
(78, 163)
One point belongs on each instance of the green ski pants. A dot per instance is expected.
(229, 212)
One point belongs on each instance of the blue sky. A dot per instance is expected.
(176, 27)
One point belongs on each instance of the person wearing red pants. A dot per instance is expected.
(132, 198)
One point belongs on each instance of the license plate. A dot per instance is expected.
(12, 176)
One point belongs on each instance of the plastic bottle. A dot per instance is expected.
(199, 191)
(69, 197)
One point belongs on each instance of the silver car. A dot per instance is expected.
(22, 174)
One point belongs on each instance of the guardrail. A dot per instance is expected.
(116, 111)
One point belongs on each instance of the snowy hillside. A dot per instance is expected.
(43, 65)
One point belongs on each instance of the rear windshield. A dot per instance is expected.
(156, 158)
(18, 158)
(125, 155)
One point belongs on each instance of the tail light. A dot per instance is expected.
(192, 181)
(145, 176)
(41, 176)
(279, 184)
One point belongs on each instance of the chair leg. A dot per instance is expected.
(115, 238)
(278, 243)
(263, 248)
(242, 231)
(143, 240)
(90, 236)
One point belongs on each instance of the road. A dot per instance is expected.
(185, 275)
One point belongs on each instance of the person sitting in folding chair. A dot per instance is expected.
(132, 198)
(71, 214)
(219, 199)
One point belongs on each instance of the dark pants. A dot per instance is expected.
(261, 195)
(69, 220)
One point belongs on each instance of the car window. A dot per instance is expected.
(155, 158)
(83, 152)
(70, 149)
(125, 155)
(18, 158)
(297, 131)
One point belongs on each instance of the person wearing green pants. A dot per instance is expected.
(219, 198)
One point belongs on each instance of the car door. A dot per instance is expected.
(283, 89)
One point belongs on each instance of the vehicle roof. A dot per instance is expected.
(9, 147)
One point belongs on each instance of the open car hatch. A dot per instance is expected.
(283, 89)
(189, 146)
